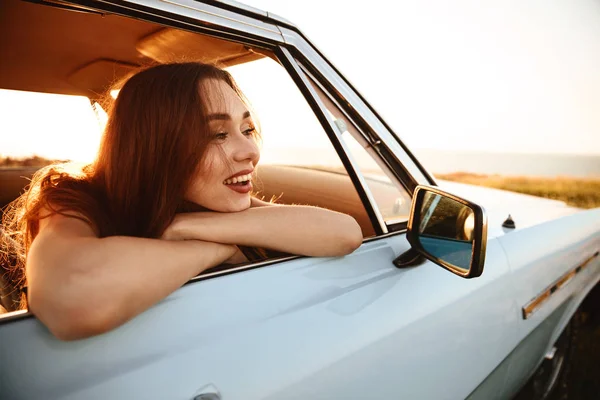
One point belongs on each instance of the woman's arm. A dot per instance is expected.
(303, 230)
(80, 285)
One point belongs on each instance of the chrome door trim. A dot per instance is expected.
(530, 344)
(363, 189)
(534, 304)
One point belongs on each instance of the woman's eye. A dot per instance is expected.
(220, 135)
(250, 131)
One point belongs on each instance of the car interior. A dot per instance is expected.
(49, 48)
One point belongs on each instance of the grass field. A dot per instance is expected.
(578, 192)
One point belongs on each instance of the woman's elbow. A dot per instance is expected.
(351, 237)
(80, 324)
(73, 321)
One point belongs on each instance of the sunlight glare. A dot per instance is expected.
(52, 126)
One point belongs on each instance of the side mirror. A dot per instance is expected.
(448, 230)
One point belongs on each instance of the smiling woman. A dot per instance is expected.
(225, 174)
(168, 196)
(177, 166)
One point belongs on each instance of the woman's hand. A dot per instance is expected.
(175, 229)
(174, 232)
(171, 232)
(237, 258)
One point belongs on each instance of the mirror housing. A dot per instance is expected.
(448, 230)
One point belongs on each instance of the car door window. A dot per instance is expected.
(299, 164)
(300, 161)
(391, 196)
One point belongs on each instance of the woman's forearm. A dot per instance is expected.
(303, 230)
(85, 286)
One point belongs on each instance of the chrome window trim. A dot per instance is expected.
(334, 135)
(396, 221)
(216, 18)
(194, 7)
(240, 268)
(238, 7)
(297, 40)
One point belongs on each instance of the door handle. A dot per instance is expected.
(208, 392)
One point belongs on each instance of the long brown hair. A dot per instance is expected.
(154, 140)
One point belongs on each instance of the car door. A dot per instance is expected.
(351, 327)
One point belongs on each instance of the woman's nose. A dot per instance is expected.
(246, 148)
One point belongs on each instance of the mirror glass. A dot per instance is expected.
(445, 230)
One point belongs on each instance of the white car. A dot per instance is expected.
(385, 322)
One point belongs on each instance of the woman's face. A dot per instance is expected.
(223, 181)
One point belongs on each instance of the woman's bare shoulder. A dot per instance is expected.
(65, 223)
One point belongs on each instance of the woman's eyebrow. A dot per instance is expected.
(225, 116)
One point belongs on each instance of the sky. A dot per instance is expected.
(502, 76)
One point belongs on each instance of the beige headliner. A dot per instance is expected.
(46, 49)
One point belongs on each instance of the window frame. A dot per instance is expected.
(251, 27)
(380, 150)
(322, 68)
(382, 230)
(320, 111)
(287, 43)
(369, 133)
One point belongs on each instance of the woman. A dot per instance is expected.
(168, 196)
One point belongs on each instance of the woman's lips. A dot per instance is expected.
(245, 188)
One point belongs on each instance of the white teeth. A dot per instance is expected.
(237, 179)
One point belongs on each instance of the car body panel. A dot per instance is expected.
(514, 369)
(525, 210)
(553, 249)
(350, 327)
